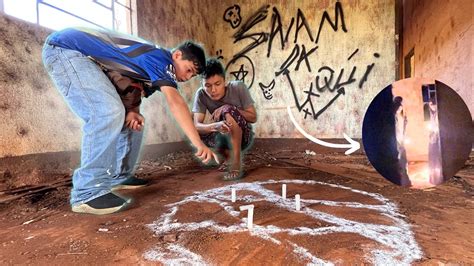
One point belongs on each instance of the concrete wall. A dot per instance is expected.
(33, 116)
(441, 34)
(361, 41)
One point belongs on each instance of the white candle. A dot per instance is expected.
(249, 209)
(297, 202)
(234, 195)
(283, 191)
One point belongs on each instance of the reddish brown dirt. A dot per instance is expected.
(441, 217)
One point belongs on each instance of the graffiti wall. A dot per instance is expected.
(324, 59)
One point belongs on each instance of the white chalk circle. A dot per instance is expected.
(394, 243)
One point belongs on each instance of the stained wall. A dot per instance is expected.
(441, 34)
(33, 116)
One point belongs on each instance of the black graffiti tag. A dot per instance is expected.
(267, 89)
(324, 81)
(328, 79)
(219, 55)
(295, 53)
(232, 15)
(242, 69)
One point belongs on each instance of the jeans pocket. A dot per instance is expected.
(58, 72)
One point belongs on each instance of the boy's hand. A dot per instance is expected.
(221, 126)
(205, 154)
(217, 113)
(134, 121)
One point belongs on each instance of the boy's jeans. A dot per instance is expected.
(109, 150)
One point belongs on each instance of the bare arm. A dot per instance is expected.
(200, 126)
(249, 113)
(179, 109)
(130, 90)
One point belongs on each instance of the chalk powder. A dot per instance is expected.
(396, 244)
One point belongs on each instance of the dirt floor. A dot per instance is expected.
(349, 215)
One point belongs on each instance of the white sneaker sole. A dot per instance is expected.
(84, 208)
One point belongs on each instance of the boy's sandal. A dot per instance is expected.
(233, 175)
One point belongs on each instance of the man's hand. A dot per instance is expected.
(217, 113)
(205, 154)
(222, 127)
(134, 121)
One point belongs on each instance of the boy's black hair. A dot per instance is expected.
(194, 53)
(213, 67)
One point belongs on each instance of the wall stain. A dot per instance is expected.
(22, 132)
(4, 106)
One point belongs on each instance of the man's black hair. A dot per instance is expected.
(194, 53)
(213, 67)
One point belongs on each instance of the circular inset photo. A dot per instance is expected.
(417, 132)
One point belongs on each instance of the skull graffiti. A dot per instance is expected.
(232, 15)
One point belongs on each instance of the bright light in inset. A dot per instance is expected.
(426, 173)
(407, 141)
(432, 127)
(429, 126)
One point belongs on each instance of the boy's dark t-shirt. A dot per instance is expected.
(236, 94)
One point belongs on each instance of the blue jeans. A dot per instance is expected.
(109, 151)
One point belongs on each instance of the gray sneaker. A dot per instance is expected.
(105, 204)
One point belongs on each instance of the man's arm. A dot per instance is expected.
(179, 109)
(208, 128)
(129, 90)
(249, 113)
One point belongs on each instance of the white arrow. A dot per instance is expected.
(353, 145)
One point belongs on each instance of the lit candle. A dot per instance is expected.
(249, 209)
(234, 195)
(283, 191)
(297, 202)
